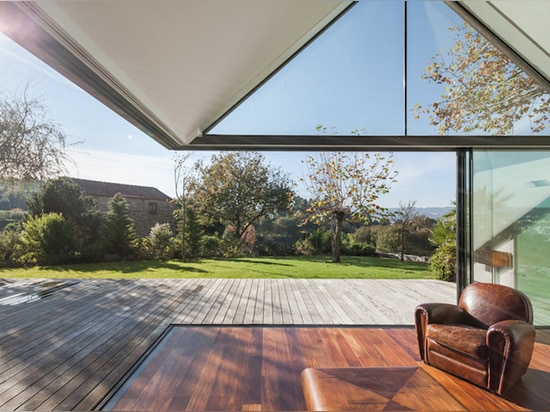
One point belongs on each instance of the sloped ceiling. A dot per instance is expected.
(522, 26)
(173, 67)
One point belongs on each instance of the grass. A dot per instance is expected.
(280, 267)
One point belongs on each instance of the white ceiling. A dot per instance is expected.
(522, 25)
(173, 67)
(180, 63)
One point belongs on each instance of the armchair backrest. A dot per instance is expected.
(491, 303)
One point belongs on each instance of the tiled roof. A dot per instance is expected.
(95, 188)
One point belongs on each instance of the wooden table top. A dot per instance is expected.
(375, 389)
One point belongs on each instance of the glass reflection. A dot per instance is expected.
(511, 223)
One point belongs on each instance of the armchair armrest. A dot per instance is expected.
(510, 344)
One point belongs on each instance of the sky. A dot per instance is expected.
(322, 86)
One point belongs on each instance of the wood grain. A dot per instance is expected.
(375, 389)
(259, 368)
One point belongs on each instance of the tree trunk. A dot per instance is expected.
(402, 243)
(337, 221)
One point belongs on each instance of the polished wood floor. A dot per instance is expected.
(258, 368)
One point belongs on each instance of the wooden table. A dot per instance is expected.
(375, 389)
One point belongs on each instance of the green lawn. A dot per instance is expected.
(284, 267)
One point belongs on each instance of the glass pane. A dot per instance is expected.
(428, 32)
(462, 84)
(511, 221)
(347, 80)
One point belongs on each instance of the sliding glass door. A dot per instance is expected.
(511, 223)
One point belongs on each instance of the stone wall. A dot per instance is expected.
(145, 212)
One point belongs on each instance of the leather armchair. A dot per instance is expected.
(487, 339)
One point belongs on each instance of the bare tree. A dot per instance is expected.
(32, 145)
(406, 214)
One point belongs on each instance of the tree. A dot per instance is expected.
(484, 90)
(118, 232)
(64, 196)
(347, 186)
(412, 238)
(32, 146)
(405, 216)
(190, 230)
(277, 237)
(182, 178)
(237, 189)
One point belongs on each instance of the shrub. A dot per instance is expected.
(10, 247)
(64, 196)
(352, 247)
(211, 246)
(225, 246)
(443, 263)
(161, 242)
(48, 239)
(317, 243)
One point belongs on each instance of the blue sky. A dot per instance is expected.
(322, 86)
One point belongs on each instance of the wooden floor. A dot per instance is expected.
(258, 368)
(66, 345)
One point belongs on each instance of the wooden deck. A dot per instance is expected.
(66, 344)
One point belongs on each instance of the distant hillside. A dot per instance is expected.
(431, 212)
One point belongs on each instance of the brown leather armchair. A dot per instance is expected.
(487, 339)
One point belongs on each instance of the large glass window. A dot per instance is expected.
(511, 223)
(390, 68)
(347, 80)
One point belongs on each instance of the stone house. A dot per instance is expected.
(147, 205)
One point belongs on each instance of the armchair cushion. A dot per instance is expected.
(465, 339)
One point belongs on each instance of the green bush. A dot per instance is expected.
(10, 247)
(48, 239)
(317, 243)
(211, 246)
(224, 246)
(443, 263)
(161, 242)
(352, 247)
